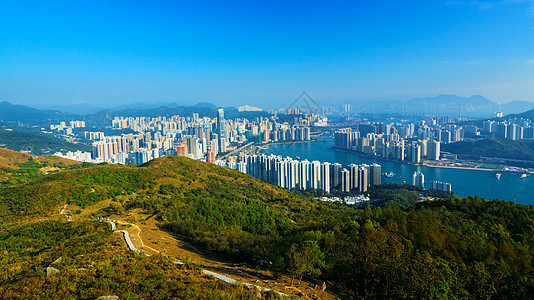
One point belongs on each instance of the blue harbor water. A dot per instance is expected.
(464, 182)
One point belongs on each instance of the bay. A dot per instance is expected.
(464, 182)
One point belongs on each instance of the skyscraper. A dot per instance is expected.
(305, 170)
(415, 154)
(325, 177)
(221, 130)
(353, 184)
(335, 172)
(345, 180)
(363, 178)
(502, 130)
(376, 173)
(315, 174)
(418, 179)
(433, 150)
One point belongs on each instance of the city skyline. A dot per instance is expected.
(267, 149)
(233, 53)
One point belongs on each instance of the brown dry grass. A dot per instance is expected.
(10, 159)
(149, 238)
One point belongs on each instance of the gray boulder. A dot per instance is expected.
(50, 271)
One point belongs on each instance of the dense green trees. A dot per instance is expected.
(95, 263)
(493, 147)
(305, 259)
(37, 143)
(453, 248)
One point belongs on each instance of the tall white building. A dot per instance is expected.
(325, 177)
(418, 179)
(354, 176)
(363, 178)
(376, 174)
(345, 180)
(434, 149)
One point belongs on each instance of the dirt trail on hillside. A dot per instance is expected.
(149, 238)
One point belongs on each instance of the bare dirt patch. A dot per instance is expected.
(149, 238)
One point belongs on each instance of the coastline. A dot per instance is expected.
(483, 184)
(426, 164)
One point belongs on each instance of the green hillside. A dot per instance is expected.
(454, 248)
(493, 147)
(93, 262)
(37, 143)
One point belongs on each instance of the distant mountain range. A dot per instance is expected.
(450, 105)
(21, 113)
(10, 113)
(87, 109)
(78, 108)
(526, 115)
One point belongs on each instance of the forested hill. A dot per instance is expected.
(46, 257)
(493, 147)
(452, 248)
(37, 143)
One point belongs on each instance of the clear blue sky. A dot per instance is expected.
(263, 53)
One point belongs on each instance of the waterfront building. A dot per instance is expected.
(418, 179)
(415, 153)
(434, 150)
(315, 174)
(335, 173)
(354, 175)
(345, 181)
(295, 174)
(363, 178)
(325, 177)
(376, 174)
(441, 186)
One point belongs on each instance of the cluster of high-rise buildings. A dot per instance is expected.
(290, 173)
(514, 129)
(133, 148)
(66, 129)
(199, 138)
(418, 179)
(441, 186)
(359, 177)
(76, 155)
(388, 144)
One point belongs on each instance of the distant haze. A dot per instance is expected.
(103, 54)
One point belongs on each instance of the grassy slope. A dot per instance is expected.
(94, 263)
(90, 185)
(12, 159)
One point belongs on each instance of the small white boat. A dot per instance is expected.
(498, 175)
(523, 176)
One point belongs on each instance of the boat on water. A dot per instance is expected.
(498, 175)
(388, 175)
(523, 176)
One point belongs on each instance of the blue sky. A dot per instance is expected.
(263, 53)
